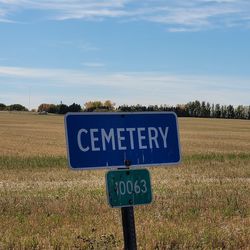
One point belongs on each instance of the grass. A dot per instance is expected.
(204, 203)
(31, 162)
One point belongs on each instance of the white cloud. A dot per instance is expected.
(177, 15)
(53, 85)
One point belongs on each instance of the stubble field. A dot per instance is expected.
(204, 203)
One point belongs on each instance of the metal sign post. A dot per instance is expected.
(128, 224)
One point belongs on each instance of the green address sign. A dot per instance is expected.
(128, 187)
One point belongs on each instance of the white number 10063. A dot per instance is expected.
(128, 187)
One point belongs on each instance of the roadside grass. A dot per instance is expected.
(27, 162)
(50, 161)
(200, 204)
(204, 203)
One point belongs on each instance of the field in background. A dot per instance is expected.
(202, 203)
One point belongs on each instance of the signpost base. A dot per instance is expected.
(128, 224)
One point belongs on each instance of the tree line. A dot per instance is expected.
(87, 107)
(191, 109)
(12, 107)
(196, 109)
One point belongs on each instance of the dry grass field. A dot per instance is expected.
(204, 203)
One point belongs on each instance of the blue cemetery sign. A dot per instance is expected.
(107, 140)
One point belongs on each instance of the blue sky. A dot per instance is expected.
(146, 52)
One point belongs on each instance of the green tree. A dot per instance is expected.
(203, 110)
(53, 109)
(213, 111)
(74, 108)
(208, 110)
(191, 109)
(17, 107)
(223, 111)
(230, 112)
(63, 109)
(91, 106)
(2, 107)
(109, 105)
(124, 108)
(217, 111)
(248, 113)
(43, 107)
(239, 112)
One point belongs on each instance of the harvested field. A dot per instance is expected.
(204, 203)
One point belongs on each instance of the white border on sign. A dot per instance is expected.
(121, 113)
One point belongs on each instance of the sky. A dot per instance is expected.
(127, 51)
